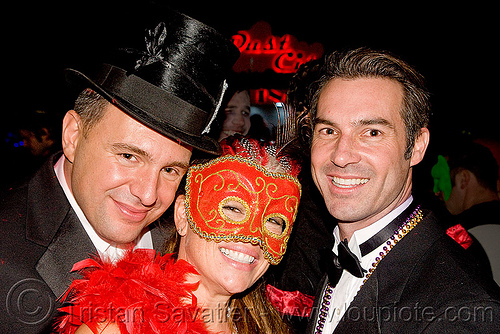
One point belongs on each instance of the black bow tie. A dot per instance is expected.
(346, 260)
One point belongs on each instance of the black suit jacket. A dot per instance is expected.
(425, 284)
(40, 240)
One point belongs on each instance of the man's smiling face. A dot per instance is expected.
(358, 146)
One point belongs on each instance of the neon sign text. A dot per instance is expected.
(267, 96)
(261, 51)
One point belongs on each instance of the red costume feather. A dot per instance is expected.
(142, 293)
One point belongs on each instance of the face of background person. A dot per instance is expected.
(358, 146)
(225, 268)
(37, 147)
(237, 115)
(123, 175)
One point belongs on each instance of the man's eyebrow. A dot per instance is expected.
(361, 122)
(374, 121)
(180, 164)
(319, 120)
(118, 147)
(231, 106)
(130, 148)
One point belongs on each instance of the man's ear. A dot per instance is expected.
(71, 132)
(420, 146)
(180, 218)
(463, 178)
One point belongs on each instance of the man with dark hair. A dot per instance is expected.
(41, 133)
(474, 203)
(393, 269)
(126, 146)
(474, 175)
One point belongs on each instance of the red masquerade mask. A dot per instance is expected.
(232, 198)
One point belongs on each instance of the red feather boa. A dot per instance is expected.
(142, 293)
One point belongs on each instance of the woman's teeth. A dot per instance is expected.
(231, 132)
(237, 256)
(347, 183)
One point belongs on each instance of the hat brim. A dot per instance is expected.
(203, 143)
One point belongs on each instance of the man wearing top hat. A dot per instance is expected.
(126, 146)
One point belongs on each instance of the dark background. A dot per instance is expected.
(453, 46)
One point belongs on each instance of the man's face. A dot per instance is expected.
(237, 115)
(357, 153)
(38, 148)
(123, 174)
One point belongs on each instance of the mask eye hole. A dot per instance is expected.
(276, 224)
(234, 210)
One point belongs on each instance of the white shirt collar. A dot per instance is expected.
(105, 249)
(366, 233)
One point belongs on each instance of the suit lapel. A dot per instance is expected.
(47, 205)
(70, 245)
(395, 269)
(383, 290)
(51, 223)
(313, 318)
(362, 315)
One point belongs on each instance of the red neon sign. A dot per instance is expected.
(267, 96)
(260, 50)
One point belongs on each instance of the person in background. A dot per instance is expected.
(38, 136)
(41, 133)
(474, 203)
(237, 114)
(233, 221)
(126, 147)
